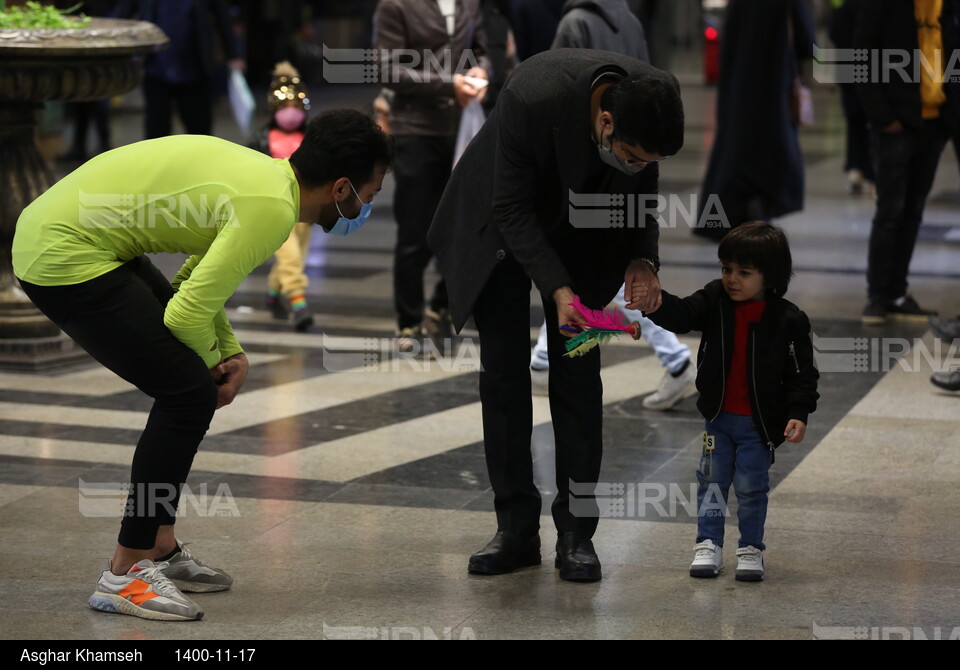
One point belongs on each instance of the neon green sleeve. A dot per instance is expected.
(251, 228)
(229, 345)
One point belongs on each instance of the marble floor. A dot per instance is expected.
(345, 489)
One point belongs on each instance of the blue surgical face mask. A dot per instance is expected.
(345, 226)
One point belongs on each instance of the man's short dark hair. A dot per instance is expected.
(647, 112)
(342, 143)
(762, 246)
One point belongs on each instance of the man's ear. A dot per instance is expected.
(340, 188)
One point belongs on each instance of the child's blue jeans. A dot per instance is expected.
(733, 453)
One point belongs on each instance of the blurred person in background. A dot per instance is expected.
(501, 47)
(858, 164)
(535, 25)
(756, 169)
(96, 110)
(289, 100)
(182, 75)
(424, 117)
(911, 120)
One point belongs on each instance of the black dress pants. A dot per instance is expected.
(502, 315)
(421, 168)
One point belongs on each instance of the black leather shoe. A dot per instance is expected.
(506, 552)
(577, 559)
(948, 381)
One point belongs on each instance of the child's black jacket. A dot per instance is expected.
(781, 375)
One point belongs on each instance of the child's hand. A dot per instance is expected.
(642, 287)
(637, 288)
(795, 431)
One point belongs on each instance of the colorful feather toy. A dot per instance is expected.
(598, 327)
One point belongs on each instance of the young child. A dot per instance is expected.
(289, 101)
(757, 384)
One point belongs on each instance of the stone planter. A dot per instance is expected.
(99, 61)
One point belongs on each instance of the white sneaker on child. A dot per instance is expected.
(749, 564)
(707, 560)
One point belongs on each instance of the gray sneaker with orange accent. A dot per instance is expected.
(189, 574)
(143, 592)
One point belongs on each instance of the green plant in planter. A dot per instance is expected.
(36, 15)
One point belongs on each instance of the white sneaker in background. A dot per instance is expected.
(672, 389)
(855, 182)
(410, 340)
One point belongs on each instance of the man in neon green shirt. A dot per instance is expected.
(79, 252)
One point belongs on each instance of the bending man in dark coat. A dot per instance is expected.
(568, 121)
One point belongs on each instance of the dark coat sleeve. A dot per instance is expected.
(514, 205)
(643, 241)
(843, 23)
(804, 34)
(390, 32)
(221, 17)
(522, 32)
(869, 35)
(681, 315)
(800, 381)
(126, 9)
(480, 45)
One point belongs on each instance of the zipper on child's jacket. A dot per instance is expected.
(756, 397)
(793, 353)
(723, 367)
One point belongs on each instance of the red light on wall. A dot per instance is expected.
(711, 34)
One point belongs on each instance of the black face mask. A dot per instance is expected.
(614, 161)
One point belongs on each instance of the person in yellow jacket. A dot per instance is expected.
(80, 252)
